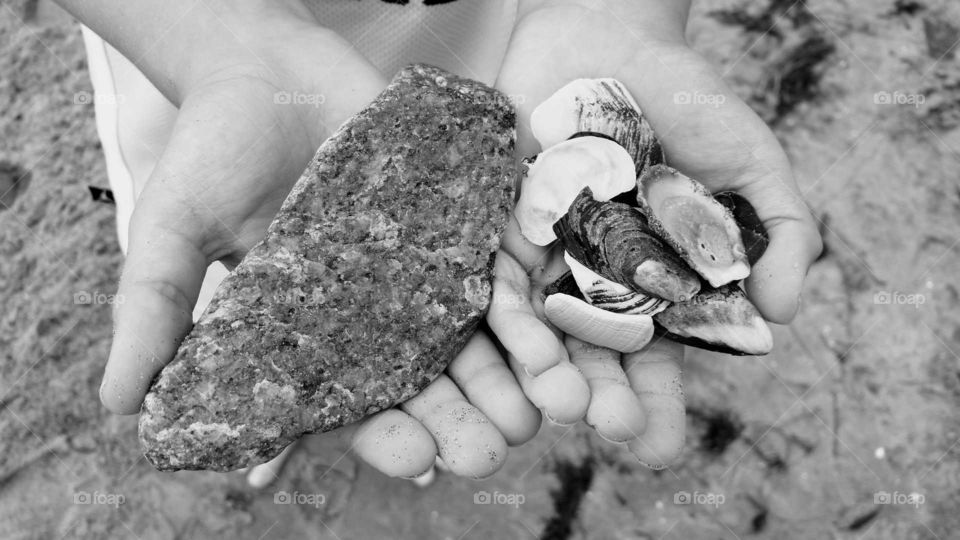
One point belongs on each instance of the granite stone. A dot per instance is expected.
(370, 280)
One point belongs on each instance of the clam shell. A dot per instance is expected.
(617, 331)
(721, 319)
(555, 178)
(613, 240)
(704, 232)
(605, 294)
(602, 106)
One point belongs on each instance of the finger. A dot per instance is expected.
(721, 142)
(396, 444)
(159, 286)
(263, 475)
(618, 331)
(655, 376)
(516, 325)
(488, 384)
(615, 410)
(467, 441)
(776, 280)
(561, 393)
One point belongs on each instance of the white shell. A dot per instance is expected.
(610, 295)
(559, 174)
(617, 331)
(599, 106)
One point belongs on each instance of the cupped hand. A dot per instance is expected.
(246, 129)
(706, 132)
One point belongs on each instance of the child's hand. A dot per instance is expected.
(716, 139)
(233, 157)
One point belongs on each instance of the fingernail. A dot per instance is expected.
(554, 422)
(424, 479)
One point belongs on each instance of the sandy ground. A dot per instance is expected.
(854, 409)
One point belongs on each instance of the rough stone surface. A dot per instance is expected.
(370, 280)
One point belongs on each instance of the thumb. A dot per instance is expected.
(158, 289)
(171, 242)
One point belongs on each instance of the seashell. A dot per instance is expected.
(752, 231)
(611, 296)
(597, 106)
(684, 213)
(720, 320)
(614, 240)
(555, 178)
(617, 331)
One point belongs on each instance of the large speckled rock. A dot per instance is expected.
(372, 277)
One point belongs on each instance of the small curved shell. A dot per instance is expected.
(617, 331)
(597, 106)
(555, 178)
(684, 213)
(612, 296)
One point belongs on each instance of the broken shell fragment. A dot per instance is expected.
(752, 231)
(684, 213)
(557, 175)
(720, 320)
(601, 106)
(613, 240)
(617, 331)
(611, 296)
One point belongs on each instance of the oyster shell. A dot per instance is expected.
(601, 106)
(555, 178)
(720, 319)
(752, 231)
(611, 296)
(613, 240)
(684, 213)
